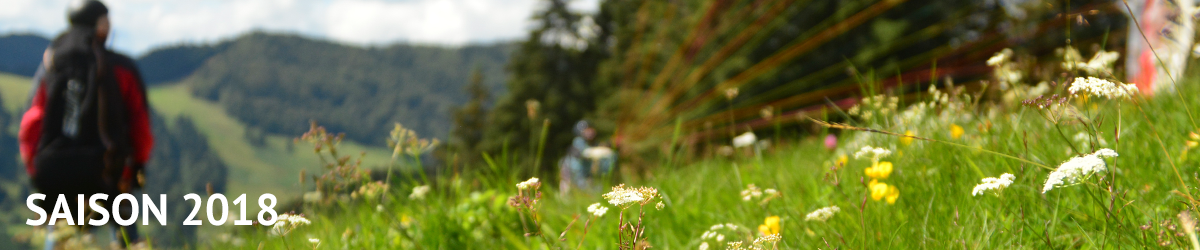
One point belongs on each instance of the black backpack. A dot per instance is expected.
(85, 142)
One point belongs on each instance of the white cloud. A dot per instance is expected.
(140, 25)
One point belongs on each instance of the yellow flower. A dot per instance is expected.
(893, 194)
(841, 162)
(880, 190)
(956, 131)
(405, 221)
(881, 170)
(770, 226)
(907, 140)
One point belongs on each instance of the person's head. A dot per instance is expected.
(90, 14)
(582, 129)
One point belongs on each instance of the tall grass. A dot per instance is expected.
(1135, 206)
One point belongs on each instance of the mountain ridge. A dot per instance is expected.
(278, 82)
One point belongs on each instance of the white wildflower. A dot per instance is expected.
(704, 246)
(751, 192)
(285, 223)
(315, 242)
(874, 152)
(659, 206)
(1077, 169)
(1101, 88)
(1100, 63)
(822, 214)
(716, 227)
(597, 209)
(725, 151)
(994, 185)
(1005, 72)
(1000, 57)
(419, 192)
(720, 237)
(767, 239)
(531, 183)
(745, 140)
(731, 226)
(1105, 152)
(622, 196)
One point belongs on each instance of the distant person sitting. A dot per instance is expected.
(87, 129)
(583, 161)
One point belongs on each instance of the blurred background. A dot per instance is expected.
(233, 83)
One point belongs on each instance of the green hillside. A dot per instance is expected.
(278, 83)
(14, 90)
(253, 169)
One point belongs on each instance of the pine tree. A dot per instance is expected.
(556, 67)
(470, 118)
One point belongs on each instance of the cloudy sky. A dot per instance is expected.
(141, 25)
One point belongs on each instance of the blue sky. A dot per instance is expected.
(141, 25)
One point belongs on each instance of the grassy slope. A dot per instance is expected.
(14, 90)
(253, 170)
(935, 209)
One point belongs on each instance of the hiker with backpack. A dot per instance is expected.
(87, 130)
(584, 162)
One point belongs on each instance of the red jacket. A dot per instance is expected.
(133, 93)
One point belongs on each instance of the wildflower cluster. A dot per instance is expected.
(597, 210)
(404, 140)
(623, 197)
(717, 233)
(993, 185)
(822, 214)
(873, 152)
(759, 243)
(527, 194)
(880, 190)
(342, 172)
(878, 105)
(418, 192)
(1078, 169)
(370, 190)
(632, 235)
(285, 223)
(1004, 70)
(532, 183)
(1101, 88)
(526, 202)
(753, 192)
(1167, 232)
(879, 170)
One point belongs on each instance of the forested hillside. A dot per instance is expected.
(172, 63)
(280, 82)
(21, 53)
